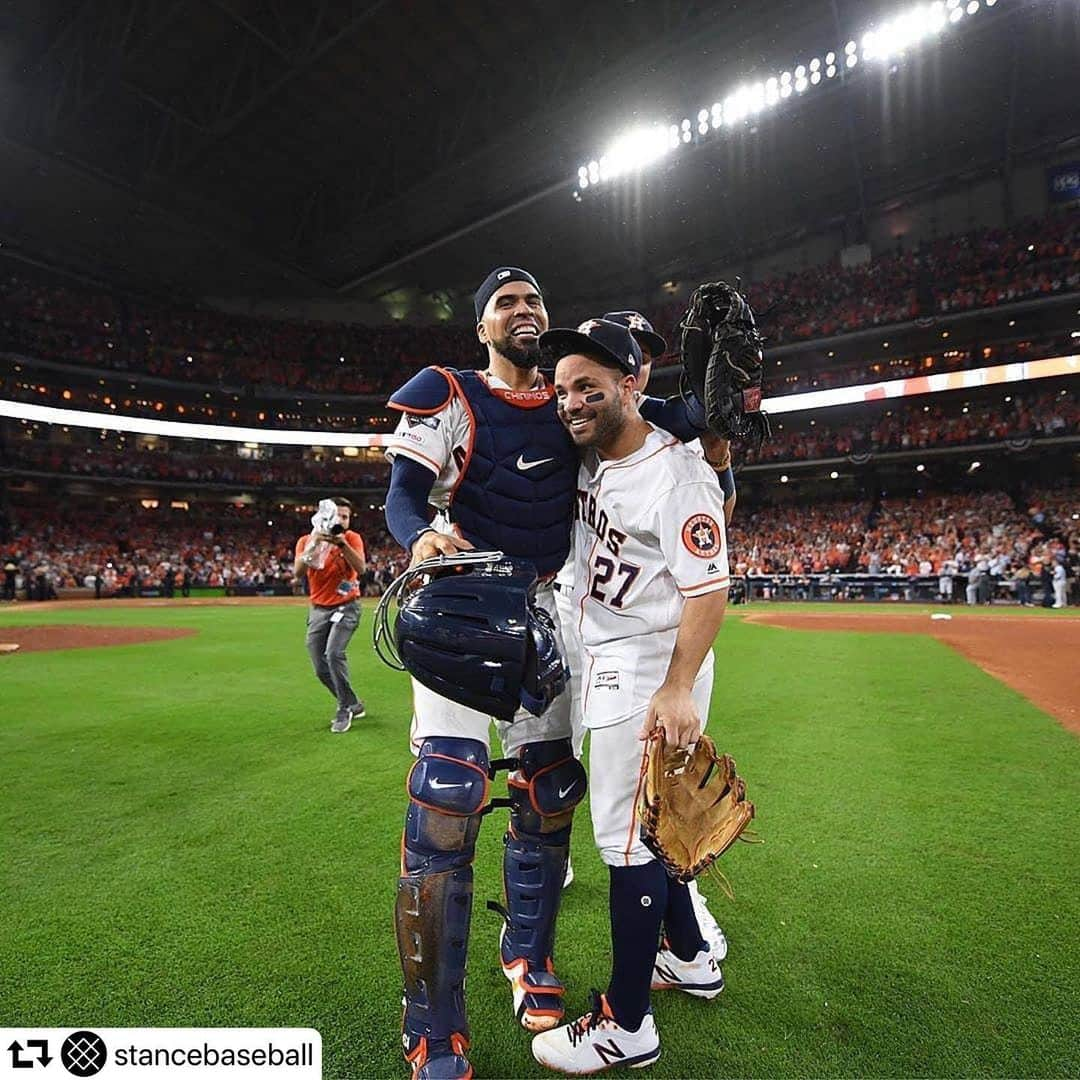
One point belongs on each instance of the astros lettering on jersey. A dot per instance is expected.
(648, 535)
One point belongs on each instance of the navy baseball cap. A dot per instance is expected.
(641, 328)
(500, 276)
(596, 336)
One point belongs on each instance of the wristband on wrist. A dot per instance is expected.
(727, 482)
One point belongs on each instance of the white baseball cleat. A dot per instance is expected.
(595, 1042)
(568, 877)
(708, 926)
(700, 977)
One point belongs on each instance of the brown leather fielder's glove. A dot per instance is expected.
(722, 363)
(693, 805)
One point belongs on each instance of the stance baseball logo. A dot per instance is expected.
(84, 1053)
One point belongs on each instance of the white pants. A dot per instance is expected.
(1059, 593)
(434, 715)
(575, 658)
(616, 756)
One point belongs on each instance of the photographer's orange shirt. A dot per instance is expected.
(336, 583)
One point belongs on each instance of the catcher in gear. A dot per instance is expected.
(651, 579)
(722, 363)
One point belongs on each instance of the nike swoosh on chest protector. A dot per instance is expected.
(525, 466)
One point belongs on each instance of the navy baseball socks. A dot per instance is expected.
(638, 897)
(682, 935)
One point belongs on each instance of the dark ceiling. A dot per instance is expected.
(314, 148)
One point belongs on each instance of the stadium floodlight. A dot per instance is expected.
(892, 38)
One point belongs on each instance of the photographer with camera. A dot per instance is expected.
(332, 557)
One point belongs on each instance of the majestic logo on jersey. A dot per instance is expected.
(702, 536)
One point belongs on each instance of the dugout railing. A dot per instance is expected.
(904, 588)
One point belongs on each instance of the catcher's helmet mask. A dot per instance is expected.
(468, 627)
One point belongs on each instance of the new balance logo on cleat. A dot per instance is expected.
(609, 1052)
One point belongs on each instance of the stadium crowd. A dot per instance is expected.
(121, 549)
(252, 356)
(130, 550)
(918, 426)
(980, 269)
(965, 536)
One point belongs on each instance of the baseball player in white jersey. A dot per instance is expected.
(651, 578)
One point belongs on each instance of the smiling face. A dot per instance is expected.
(593, 400)
(512, 323)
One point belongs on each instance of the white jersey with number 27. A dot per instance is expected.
(648, 534)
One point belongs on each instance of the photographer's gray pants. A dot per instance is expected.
(329, 631)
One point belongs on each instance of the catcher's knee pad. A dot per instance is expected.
(549, 784)
(448, 787)
(544, 792)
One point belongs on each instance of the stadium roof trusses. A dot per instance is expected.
(386, 148)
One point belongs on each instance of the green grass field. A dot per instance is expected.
(184, 843)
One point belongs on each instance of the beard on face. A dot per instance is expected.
(518, 353)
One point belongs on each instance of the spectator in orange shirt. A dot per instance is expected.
(333, 562)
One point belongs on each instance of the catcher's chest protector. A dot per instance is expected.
(518, 490)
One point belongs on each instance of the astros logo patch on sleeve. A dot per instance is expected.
(701, 535)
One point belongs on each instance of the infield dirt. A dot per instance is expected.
(1030, 655)
(45, 638)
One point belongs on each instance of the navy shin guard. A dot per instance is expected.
(448, 789)
(543, 793)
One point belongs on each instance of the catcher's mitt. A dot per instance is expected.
(722, 363)
(693, 805)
